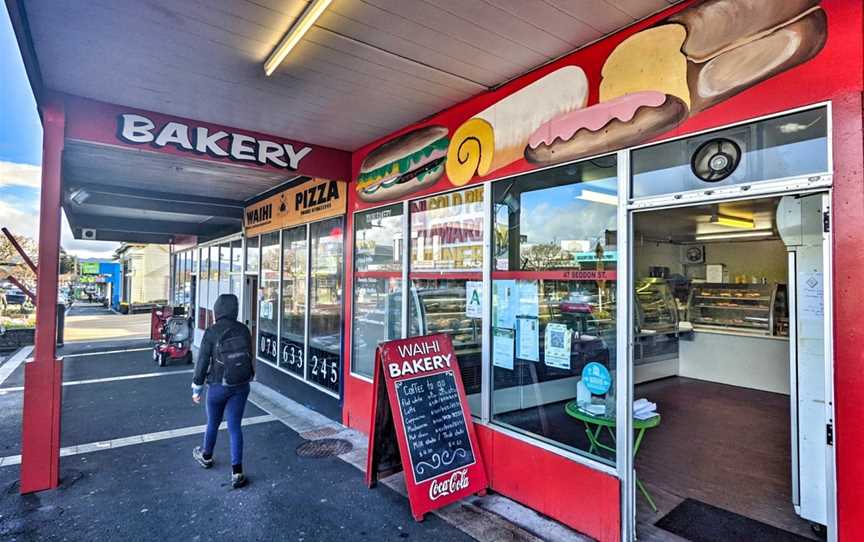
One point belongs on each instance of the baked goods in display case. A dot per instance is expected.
(656, 311)
(756, 309)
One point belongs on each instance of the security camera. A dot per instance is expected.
(88, 234)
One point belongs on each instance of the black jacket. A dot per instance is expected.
(225, 310)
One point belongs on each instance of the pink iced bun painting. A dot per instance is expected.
(691, 61)
(620, 122)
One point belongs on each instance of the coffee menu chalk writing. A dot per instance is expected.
(435, 426)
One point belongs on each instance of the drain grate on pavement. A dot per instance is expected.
(325, 447)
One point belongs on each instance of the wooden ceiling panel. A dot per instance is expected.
(367, 68)
(555, 21)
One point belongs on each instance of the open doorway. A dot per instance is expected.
(729, 344)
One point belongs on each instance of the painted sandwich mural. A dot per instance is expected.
(650, 83)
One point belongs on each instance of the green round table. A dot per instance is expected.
(594, 426)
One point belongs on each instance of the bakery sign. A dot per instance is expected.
(139, 129)
(313, 200)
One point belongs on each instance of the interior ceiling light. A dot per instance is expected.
(734, 235)
(734, 221)
(295, 34)
(598, 197)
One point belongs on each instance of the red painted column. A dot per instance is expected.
(43, 375)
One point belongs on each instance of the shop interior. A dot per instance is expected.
(713, 304)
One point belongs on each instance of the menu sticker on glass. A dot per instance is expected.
(473, 299)
(811, 305)
(528, 338)
(502, 347)
(556, 349)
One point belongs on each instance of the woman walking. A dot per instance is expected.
(225, 361)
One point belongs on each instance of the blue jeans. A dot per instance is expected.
(229, 401)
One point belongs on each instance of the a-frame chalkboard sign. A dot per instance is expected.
(421, 424)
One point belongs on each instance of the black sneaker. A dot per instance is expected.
(198, 455)
(238, 480)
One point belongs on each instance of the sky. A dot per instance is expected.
(21, 152)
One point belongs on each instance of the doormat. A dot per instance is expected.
(701, 522)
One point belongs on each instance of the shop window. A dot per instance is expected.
(214, 276)
(225, 268)
(268, 298)
(236, 269)
(446, 233)
(553, 300)
(325, 303)
(377, 305)
(293, 300)
(204, 282)
(791, 145)
(252, 255)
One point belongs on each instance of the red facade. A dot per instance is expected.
(836, 75)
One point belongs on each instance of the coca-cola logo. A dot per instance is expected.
(448, 486)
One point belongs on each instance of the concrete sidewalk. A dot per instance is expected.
(93, 322)
(127, 472)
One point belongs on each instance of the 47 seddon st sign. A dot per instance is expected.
(421, 424)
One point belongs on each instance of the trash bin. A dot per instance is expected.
(61, 322)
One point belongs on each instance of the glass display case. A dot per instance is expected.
(757, 309)
(656, 311)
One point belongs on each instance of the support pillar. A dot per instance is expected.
(43, 375)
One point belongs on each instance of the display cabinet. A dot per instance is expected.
(656, 311)
(443, 311)
(757, 309)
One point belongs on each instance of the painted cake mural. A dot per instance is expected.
(649, 84)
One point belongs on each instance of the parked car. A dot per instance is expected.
(14, 296)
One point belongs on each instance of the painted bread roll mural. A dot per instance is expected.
(497, 135)
(649, 84)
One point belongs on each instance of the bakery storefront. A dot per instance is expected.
(633, 249)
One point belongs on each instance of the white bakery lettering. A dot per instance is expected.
(422, 362)
(140, 130)
(457, 482)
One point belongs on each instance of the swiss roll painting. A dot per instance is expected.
(649, 84)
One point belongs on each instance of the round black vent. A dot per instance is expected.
(715, 159)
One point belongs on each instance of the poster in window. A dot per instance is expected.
(474, 299)
(557, 346)
(528, 338)
(506, 304)
(502, 347)
(529, 298)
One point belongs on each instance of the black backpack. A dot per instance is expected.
(232, 352)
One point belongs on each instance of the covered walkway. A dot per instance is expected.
(128, 431)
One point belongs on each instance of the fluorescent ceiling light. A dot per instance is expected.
(734, 221)
(295, 34)
(598, 197)
(734, 235)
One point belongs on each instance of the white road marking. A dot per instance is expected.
(105, 352)
(12, 363)
(137, 439)
(107, 379)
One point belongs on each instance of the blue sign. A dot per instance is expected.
(596, 378)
